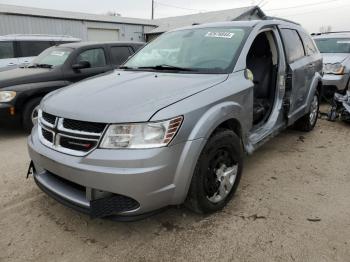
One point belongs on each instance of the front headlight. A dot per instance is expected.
(7, 96)
(143, 135)
(336, 69)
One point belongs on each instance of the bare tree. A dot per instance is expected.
(326, 29)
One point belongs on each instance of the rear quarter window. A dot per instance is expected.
(32, 48)
(293, 45)
(309, 44)
(120, 54)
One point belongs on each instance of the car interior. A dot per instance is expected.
(262, 61)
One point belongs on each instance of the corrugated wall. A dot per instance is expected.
(17, 24)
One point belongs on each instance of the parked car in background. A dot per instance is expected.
(22, 89)
(20, 50)
(172, 124)
(335, 48)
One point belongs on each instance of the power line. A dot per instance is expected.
(178, 7)
(313, 11)
(264, 3)
(305, 5)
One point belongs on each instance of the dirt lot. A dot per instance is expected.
(293, 204)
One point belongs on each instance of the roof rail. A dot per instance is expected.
(278, 18)
(335, 32)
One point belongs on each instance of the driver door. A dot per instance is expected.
(97, 59)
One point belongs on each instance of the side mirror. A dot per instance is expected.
(81, 65)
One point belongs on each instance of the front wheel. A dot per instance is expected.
(217, 173)
(308, 122)
(30, 114)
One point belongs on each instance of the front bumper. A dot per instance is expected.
(154, 178)
(337, 82)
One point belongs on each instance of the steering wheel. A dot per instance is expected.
(212, 63)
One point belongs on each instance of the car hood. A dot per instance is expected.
(126, 96)
(335, 58)
(22, 76)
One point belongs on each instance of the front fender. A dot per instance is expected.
(214, 117)
(197, 140)
(26, 91)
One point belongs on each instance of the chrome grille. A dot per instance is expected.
(95, 128)
(47, 135)
(51, 119)
(69, 136)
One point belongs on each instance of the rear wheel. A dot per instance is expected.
(308, 122)
(30, 114)
(217, 173)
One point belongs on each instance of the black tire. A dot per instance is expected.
(27, 113)
(198, 198)
(306, 124)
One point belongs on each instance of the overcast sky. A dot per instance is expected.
(311, 13)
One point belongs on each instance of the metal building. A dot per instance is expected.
(88, 27)
(91, 27)
(170, 23)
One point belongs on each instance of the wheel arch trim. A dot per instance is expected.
(204, 128)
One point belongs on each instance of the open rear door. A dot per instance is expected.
(298, 78)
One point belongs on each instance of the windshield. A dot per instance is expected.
(333, 45)
(209, 50)
(52, 57)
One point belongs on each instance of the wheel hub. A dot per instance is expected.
(225, 178)
(314, 110)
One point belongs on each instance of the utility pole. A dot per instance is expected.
(152, 9)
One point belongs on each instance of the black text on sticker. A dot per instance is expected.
(220, 34)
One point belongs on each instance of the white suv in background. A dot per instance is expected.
(19, 50)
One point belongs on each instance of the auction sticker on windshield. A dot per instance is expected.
(220, 34)
(58, 53)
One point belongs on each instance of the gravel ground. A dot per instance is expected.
(293, 204)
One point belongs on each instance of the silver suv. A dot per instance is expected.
(173, 124)
(335, 48)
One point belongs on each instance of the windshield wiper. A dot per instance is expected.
(40, 66)
(126, 67)
(167, 67)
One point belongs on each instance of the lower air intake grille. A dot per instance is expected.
(105, 207)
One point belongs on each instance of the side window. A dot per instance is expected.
(120, 54)
(96, 57)
(310, 47)
(32, 48)
(6, 50)
(294, 46)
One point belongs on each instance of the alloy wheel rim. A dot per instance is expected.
(226, 176)
(221, 177)
(314, 110)
(34, 115)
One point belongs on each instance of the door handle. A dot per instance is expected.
(10, 64)
(311, 65)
